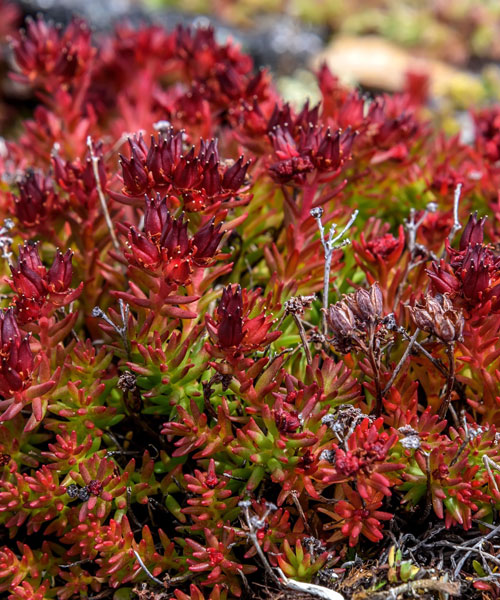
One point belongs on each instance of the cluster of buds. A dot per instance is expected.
(37, 200)
(222, 72)
(387, 127)
(233, 329)
(43, 52)
(473, 274)
(391, 127)
(313, 149)
(487, 133)
(384, 249)
(77, 178)
(436, 315)
(201, 178)
(354, 316)
(165, 247)
(39, 288)
(17, 360)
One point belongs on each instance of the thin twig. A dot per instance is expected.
(303, 338)
(450, 383)
(402, 361)
(478, 544)
(428, 493)
(488, 463)
(100, 193)
(75, 564)
(456, 222)
(436, 362)
(147, 571)
(122, 331)
(329, 246)
(253, 538)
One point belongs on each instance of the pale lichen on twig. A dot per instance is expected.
(456, 221)
(330, 244)
(122, 331)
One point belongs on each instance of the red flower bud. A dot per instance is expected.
(28, 279)
(174, 237)
(234, 176)
(473, 233)
(327, 156)
(229, 311)
(155, 216)
(61, 272)
(36, 197)
(9, 331)
(95, 487)
(206, 241)
(135, 177)
(143, 250)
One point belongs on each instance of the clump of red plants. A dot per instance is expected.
(241, 344)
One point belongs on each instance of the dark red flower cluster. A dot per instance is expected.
(472, 275)
(37, 199)
(312, 150)
(165, 246)
(41, 290)
(46, 53)
(198, 177)
(487, 133)
(17, 360)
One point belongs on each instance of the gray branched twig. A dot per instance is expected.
(330, 244)
(122, 331)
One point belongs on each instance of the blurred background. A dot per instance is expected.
(378, 45)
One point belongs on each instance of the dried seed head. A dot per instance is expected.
(436, 315)
(83, 494)
(298, 304)
(72, 490)
(411, 439)
(127, 382)
(367, 305)
(341, 320)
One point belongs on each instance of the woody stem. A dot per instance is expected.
(303, 338)
(374, 363)
(400, 364)
(428, 494)
(450, 351)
